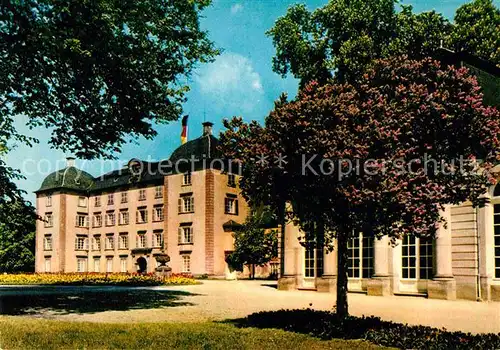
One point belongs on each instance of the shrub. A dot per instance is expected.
(115, 279)
(327, 325)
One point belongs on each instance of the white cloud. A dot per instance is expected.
(231, 81)
(236, 8)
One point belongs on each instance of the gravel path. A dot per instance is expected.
(220, 300)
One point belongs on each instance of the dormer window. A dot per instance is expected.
(48, 200)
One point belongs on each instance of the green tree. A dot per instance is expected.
(345, 36)
(253, 244)
(97, 71)
(380, 157)
(17, 236)
(477, 30)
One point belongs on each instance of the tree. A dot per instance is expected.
(17, 237)
(97, 71)
(477, 30)
(253, 245)
(345, 36)
(381, 156)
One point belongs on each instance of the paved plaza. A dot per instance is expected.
(220, 300)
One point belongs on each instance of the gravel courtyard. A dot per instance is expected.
(220, 300)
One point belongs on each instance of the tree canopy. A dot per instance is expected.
(344, 37)
(381, 156)
(17, 237)
(253, 244)
(95, 72)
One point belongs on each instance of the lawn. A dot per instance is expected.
(26, 333)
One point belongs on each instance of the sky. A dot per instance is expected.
(239, 83)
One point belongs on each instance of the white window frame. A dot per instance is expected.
(123, 265)
(110, 242)
(417, 258)
(48, 200)
(186, 263)
(123, 241)
(82, 201)
(109, 265)
(124, 197)
(124, 218)
(187, 179)
(47, 265)
(231, 180)
(142, 194)
(141, 215)
(110, 218)
(97, 220)
(49, 220)
(157, 239)
(361, 259)
(158, 213)
(82, 220)
(111, 198)
(97, 265)
(142, 240)
(185, 234)
(97, 201)
(81, 265)
(81, 243)
(186, 204)
(158, 192)
(96, 243)
(231, 205)
(47, 242)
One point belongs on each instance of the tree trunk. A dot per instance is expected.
(281, 209)
(253, 271)
(342, 265)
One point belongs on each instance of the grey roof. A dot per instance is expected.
(70, 178)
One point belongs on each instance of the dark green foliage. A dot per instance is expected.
(344, 37)
(17, 236)
(253, 245)
(97, 71)
(328, 325)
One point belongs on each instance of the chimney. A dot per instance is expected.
(207, 128)
(70, 161)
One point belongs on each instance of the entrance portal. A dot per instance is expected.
(142, 265)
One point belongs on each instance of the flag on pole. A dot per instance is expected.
(184, 133)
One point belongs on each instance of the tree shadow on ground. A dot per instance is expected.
(89, 301)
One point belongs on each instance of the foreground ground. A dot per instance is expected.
(221, 300)
(22, 333)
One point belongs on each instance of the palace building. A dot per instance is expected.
(186, 206)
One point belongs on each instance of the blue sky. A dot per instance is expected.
(240, 82)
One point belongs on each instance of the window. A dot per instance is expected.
(185, 235)
(111, 199)
(110, 218)
(49, 220)
(186, 263)
(81, 243)
(109, 264)
(141, 240)
(97, 201)
(186, 179)
(158, 213)
(496, 235)
(124, 198)
(158, 239)
(82, 201)
(313, 261)
(231, 205)
(360, 257)
(47, 265)
(82, 220)
(123, 265)
(48, 200)
(159, 192)
(416, 258)
(96, 243)
(231, 180)
(81, 265)
(123, 243)
(142, 194)
(97, 264)
(124, 217)
(110, 242)
(186, 204)
(47, 242)
(142, 215)
(97, 220)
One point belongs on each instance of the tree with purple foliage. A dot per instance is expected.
(380, 156)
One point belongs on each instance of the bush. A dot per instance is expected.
(327, 325)
(92, 279)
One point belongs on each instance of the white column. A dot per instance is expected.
(381, 257)
(485, 214)
(444, 247)
(328, 281)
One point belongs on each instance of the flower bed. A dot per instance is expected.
(326, 325)
(92, 279)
